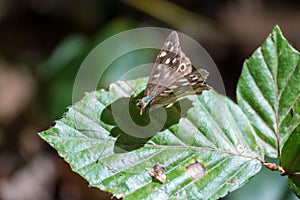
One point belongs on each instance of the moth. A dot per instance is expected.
(172, 76)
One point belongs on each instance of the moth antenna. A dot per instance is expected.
(141, 111)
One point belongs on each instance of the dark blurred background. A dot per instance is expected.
(43, 43)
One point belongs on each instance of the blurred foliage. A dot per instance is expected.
(58, 72)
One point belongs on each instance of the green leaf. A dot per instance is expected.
(290, 160)
(106, 141)
(268, 92)
(294, 184)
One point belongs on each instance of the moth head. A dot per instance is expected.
(143, 103)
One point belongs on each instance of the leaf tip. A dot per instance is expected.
(276, 28)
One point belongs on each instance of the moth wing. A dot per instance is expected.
(193, 83)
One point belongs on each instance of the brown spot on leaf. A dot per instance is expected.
(158, 173)
(230, 182)
(195, 170)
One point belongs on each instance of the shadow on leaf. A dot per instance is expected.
(133, 130)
